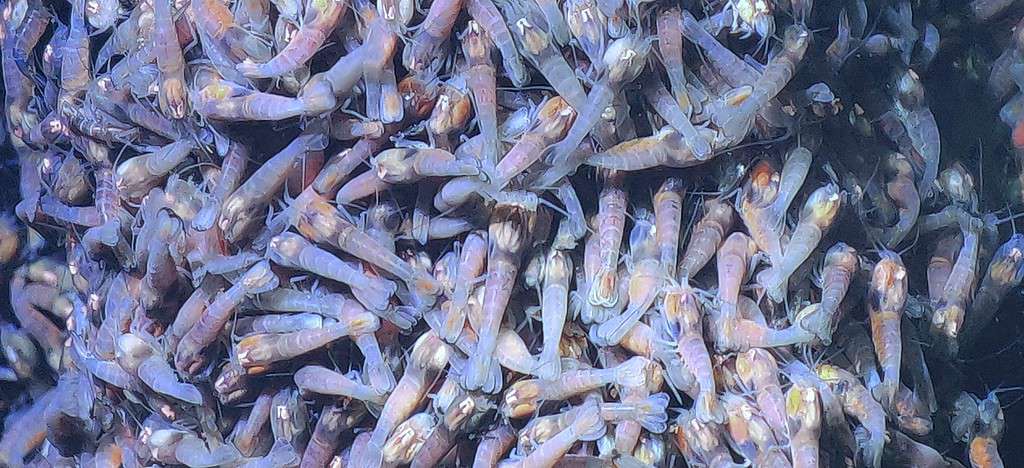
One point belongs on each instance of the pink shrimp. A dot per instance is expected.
(816, 217)
(321, 380)
(948, 318)
(841, 264)
(683, 317)
(707, 236)
(645, 279)
(257, 352)
(803, 409)
(886, 299)
(322, 17)
(557, 270)
(612, 218)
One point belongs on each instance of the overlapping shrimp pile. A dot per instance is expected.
(501, 232)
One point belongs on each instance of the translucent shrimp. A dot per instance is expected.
(841, 263)
(294, 251)
(429, 356)
(406, 165)
(734, 257)
(509, 231)
(921, 129)
(430, 36)
(707, 235)
(476, 46)
(322, 17)
(321, 223)
(886, 299)
(136, 176)
(803, 409)
(668, 215)
(586, 426)
(948, 318)
(816, 217)
(173, 99)
(701, 442)
(527, 25)
(588, 25)
(522, 398)
(624, 60)
(242, 208)
(611, 224)
(219, 101)
(734, 122)
(494, 445)
(1004, 273)
(554, 307)
(645, 279)
(665, 148)
(189, 356)
(758, 370)
(905, 197)
(683, 319)
(663, 103)
(321, 380)
(257, 352)
(859, 404)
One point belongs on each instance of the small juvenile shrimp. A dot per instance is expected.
(816, 217)
(324, 381)
(803, 409)
(322, 17)
(706, 237)
(587, 425)
(173, 98)
(611, 225)
(904, 196)
(886, 299)
(189, 356)
(920, 126)
(841, 263)
(294, 251)
(859, 404)
(554, 308)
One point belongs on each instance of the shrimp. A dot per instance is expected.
(858, 403)
(587, 425)
(920, 127)
(257, 352)
(321, 223)
(16, 445)
(239, 210)
(735, 121)
(701, 442)
(906, 198)
(841, 263)
(557, 270)
(523, 397)
(662, 103)
(510, 230)
(494, 444)
(948, 318)
(476, 46)
(758, 370)
(219, 101)
(294, 251)
(803, 409)
(470, 266)
(624, 60)
(668, 213)
(406, 165)
(231, 170)
(430, 36)
(527, 25)
(1004, 273)
(816, 217)
(321, 380)
(322, 17)
(683, 318)
(611, 224)
(886, 299)
(589, 26)
(645, 279)
(189, 357)
(37, 325)
(429, 357)
(136, 176)
(734, 256)
(707, 236)
(173, 99)
(323, 442)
